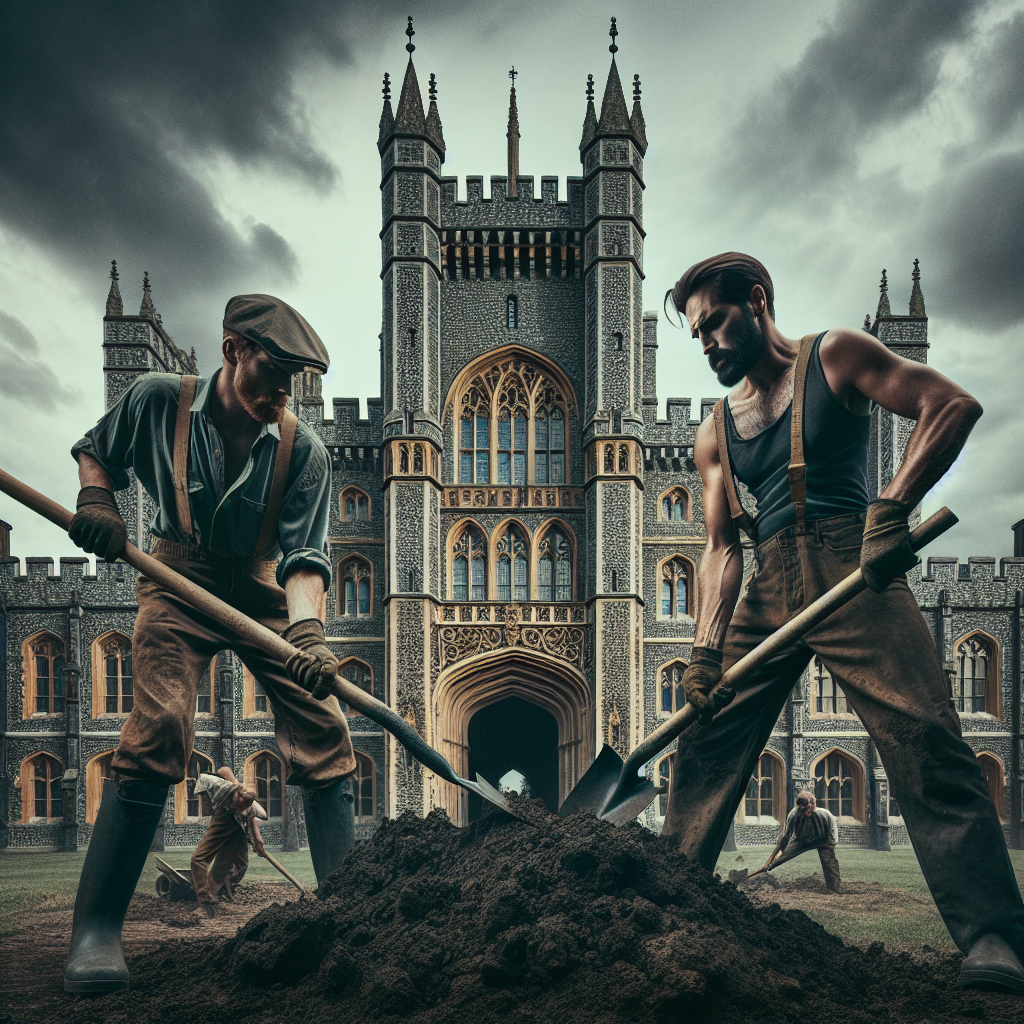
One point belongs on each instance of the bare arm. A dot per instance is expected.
(721, 569)
(304, 591)
(257, 839)
(226, 773)
(854, 361)
(92, 474)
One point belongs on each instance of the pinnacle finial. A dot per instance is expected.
(513, 74)
(916, 275)
(636, 88)
(613, 32)
(432, 87)
(867, 321)
(916, 295)
(590, 87)
(410, 32)
(114, 275)
(115, 306)
(147, 308)
(387, 86)
(883, 298)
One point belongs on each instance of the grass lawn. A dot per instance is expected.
(895, 923)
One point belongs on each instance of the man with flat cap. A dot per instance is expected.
(794, 430)
(242, 491)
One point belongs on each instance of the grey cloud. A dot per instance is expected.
(876, 64)
(976, 243)
(1000, 78)
(26, 376)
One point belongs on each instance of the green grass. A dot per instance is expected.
(902, 925)
(29, 880)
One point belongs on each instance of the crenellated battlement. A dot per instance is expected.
(501, 210)
(348, 429)
(974, 579)
(39, 587)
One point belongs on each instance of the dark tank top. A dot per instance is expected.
(835, 450)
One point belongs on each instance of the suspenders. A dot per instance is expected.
(282, 461)
(797, 465)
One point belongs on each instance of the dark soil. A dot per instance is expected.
(562, 920)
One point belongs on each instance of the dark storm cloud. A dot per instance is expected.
(27, 376)
(1000, 79)
(874, 65)
(105, 103)
(976, 242)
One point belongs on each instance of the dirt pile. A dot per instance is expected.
(563, 920)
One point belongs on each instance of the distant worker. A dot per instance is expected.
(809, 827)
(221, 859)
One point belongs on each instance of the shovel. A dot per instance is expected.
(616, 792)
(267, 640)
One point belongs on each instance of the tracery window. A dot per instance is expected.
(40, 793)
(267, 782)
(664, 782)
(364, 786)
(762, 801)
(197, 805)
(675, 505)
(113, 685)
(359, 673)
(475, 440)
(513, 410)
(838, 782)
(513, 554)
(355, 505)
(971, 684)
(554, 567)
(355, 580)
(549, 445)
(829, 698)
(43, 658)
(206, 694)
(469, 566)
(676, 575)
(672, 696)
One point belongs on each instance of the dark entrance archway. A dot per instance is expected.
(514, 734)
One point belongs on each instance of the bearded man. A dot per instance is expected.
(795, 430)
(242, 493)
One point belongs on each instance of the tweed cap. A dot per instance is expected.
(282, 331)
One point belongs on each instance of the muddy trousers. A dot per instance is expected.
(827, 856)
(221, 858)
(879, 650)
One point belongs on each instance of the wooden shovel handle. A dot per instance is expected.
(249, 630)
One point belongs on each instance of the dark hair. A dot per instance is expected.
(733, 275)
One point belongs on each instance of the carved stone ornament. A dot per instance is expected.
(459, 642)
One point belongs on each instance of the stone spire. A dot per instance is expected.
(916, 295)
(387, 117)
(433, 124)
(147, 308)
(115, 307)
(883, 298)
(636, 119)
(409, 119)
(590, 121)
(615, 119)
(513, 136)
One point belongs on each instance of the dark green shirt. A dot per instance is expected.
(138, 434)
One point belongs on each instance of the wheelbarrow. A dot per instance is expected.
(174, 883)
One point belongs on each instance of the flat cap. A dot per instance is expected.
(282, 331)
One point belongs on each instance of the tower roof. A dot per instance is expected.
(115, 306)
(916, 295)
(147, 308)
(387, 117)
(409, 119)
(615, 118)
(883, 298)
(636, 119)
(590, 120)
(433, 122)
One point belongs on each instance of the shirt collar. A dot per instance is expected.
(202, 402)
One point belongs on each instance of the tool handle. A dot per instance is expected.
(253, 632)
(934, 526)
(287, 874)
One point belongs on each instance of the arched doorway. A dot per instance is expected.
(514, 735)
(545, 685)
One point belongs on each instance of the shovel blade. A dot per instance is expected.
(629, 801)
(594, 790)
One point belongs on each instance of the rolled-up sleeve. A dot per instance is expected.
(305, 512)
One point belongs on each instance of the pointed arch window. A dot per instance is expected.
(364, 788)
(469, 566)
(763, 800)
(513, 552)
(40, 789)
(992, 769)
(267, 781)
(664, 781)
(973, 687)
(359, 673)
(549, 444)
(829, 698)
(98, 771)
(113, 684)
(672, 696)
(513, 411)
(475, 442)
(554, 567)
(355, 505)
(676, 577)
(839, 785)
(43, 662)
(675, 506)
(188, 804)
(355, 587)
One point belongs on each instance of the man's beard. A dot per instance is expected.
(747, 346)
(263, 408)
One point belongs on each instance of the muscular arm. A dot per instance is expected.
(304, 592)
(856, 363)
(721, 569)
(92, 474)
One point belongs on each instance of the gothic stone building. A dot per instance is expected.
(515, 535)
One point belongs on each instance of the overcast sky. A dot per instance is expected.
(231, 147)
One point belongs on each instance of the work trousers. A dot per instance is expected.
(879, 649)
(221, 858)
(827, 856)
(172, 647)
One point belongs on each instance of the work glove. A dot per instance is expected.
(97, 526)
(702, 675)
(886, 552)
(314, 664)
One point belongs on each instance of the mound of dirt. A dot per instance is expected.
(567, 920)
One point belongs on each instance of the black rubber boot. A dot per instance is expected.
(121, 838)
(992, 964)
(330, 825)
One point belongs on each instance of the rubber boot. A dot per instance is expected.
(121, 838)
(992, 964)
(330, 826)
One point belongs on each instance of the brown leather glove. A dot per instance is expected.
(702, 675)
(97, 526)
(886, 552)
(314, 665)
